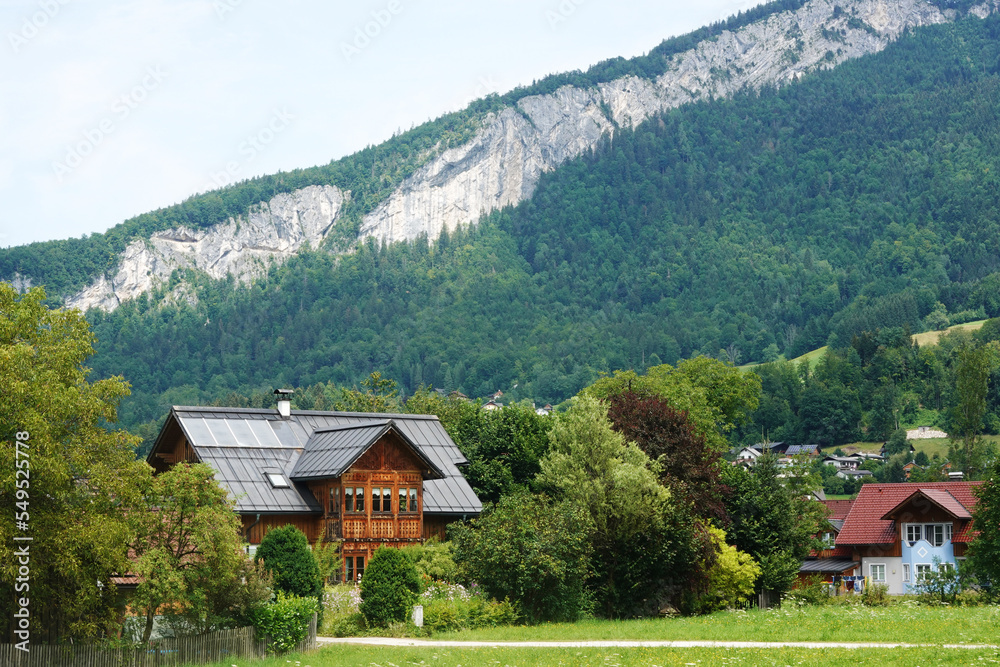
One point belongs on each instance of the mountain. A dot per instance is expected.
(737, 194)
(485, 158)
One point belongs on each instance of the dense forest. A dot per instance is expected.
(860, 199)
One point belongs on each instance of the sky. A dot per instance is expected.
(110, 109)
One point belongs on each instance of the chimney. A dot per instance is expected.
(284, 402)
(956, 476)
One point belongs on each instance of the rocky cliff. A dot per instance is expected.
(502, 163)
(244, 248)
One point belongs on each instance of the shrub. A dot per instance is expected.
(531, 551)
(443, 614)
(389, 588)
(814, 591)
(286, 555)
(876, 595)
(731, 577)
(284, 622)
(433, 560)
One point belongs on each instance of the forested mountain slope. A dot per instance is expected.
(452, 171)
(861, 197)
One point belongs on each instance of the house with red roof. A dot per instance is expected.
(897, 533)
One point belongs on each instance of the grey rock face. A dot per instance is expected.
(243, 248)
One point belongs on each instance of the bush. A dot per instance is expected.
(389, 588)
(433, 560)
(284, 622)
(813, 591)
(286, 555)
(441, 615)
(876, 595)
(731, 577)
(531, 551)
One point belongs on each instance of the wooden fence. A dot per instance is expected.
(195, 650)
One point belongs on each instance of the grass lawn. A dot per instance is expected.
(371, 656)
(831, 623)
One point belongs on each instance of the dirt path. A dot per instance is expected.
(392, 641)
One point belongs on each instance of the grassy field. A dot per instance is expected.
(832, 623)
(932, 337)
(379, 656)
(904, 623)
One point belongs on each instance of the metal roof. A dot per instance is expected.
(828, 565)
(330, 452)
(243, 443)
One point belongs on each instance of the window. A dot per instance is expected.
(413, 500)
(935, 533)
(359, 499)
(829, 540)
(334, 502)
(402, 499)
(914, 532)
(348, 499)
(906, 571)
(923, 569)
(359, 563)
(277, 480)
(349, 567)
(376, 500)
(948, 568)
(877, 572)
(386, 500)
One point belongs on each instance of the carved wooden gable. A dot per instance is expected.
(389, 453)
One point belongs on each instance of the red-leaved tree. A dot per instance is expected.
(690, 466)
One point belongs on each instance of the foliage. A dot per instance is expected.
(984, 550)
(767, 521)
(189, 553)
(852, 213)
(433, 560)
(530, 550)
(813, 591)
(379, 395)
(876, 595)
(504, 447)
(328, 560)
(715, 397)
(389, 588)
(74, 476)
(442, 614)
(284, 622)
(972, 374)
(285, 553)
(731, 577)
(897, 443)
(640, 541)
(943, 584)
(688, 467)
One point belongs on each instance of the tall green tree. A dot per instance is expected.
(189, 553)
(72, 481)
(641, 542)
(972, 374)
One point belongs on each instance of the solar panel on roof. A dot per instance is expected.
(197, 431)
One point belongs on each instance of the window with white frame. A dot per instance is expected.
(935, 533)
(906, 572)
(877, 573)
(923, 570)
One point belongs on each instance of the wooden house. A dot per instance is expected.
(361, 480)
(896, 533)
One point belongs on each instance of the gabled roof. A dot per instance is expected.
(795, 450)
(330, 452)
(838, 508)
(242, 444)
(865, 523)
(939, 497)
